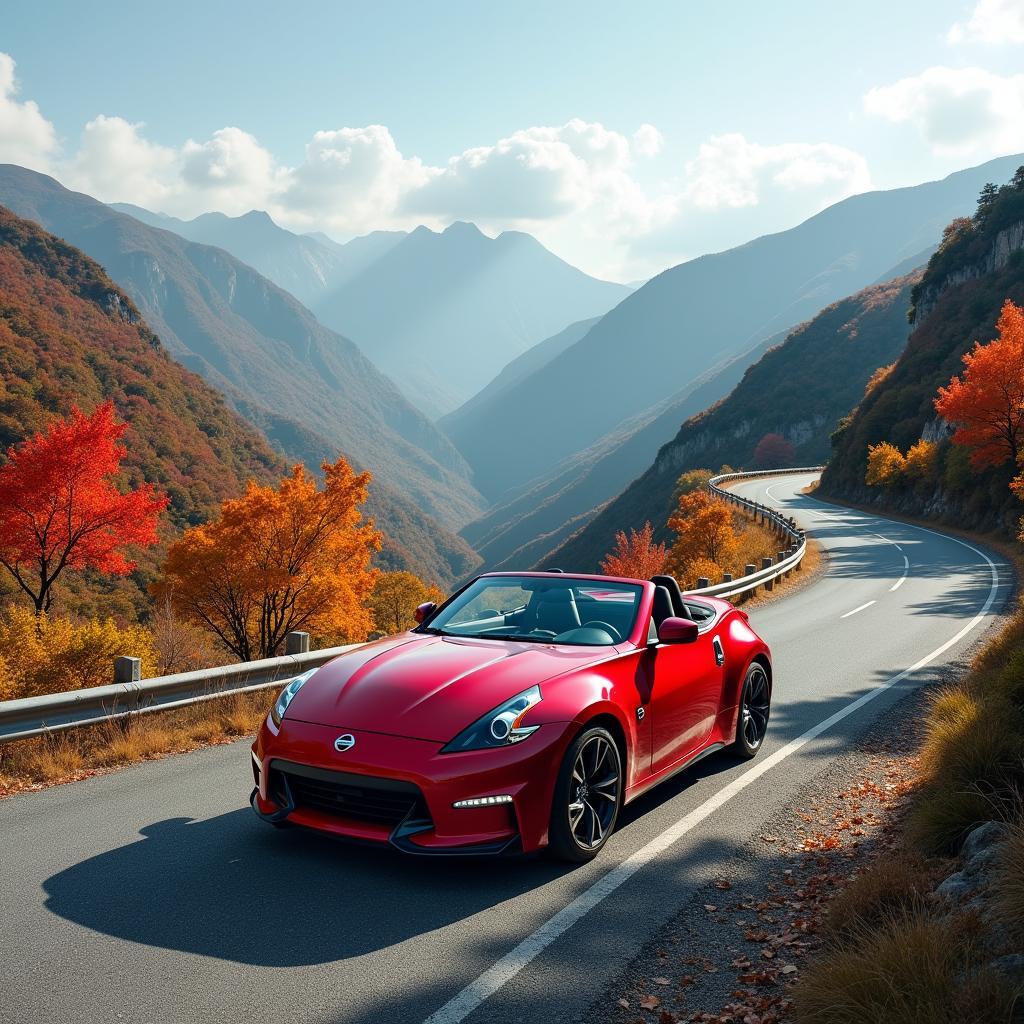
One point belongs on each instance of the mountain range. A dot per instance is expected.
(696, 316)
(469, 303)
(442, 312)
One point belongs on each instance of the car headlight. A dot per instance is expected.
(500, 727)
(284, 698)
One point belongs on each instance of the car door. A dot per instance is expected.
(685, 692)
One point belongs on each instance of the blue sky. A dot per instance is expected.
(625, 138)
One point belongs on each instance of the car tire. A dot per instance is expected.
(753, 713)
(588, 796)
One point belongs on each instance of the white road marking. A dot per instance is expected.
(476, 992)
(906, 569)
(860, 608)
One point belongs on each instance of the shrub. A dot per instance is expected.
(1008, 890)
(886, 465)
(922, 460)
(55, 654)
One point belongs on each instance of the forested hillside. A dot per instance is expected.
(978, 267)
(70, 336)
(252, 340)
(781, 413)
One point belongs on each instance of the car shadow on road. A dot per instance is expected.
(232, 888)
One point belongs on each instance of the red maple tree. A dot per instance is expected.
(987, 401)
(635, 557)
(773, 451)
(60, 508)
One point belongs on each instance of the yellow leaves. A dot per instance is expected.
(886, 464)
(51, 655)
(922, 460)
(395, 597)
(279, 559)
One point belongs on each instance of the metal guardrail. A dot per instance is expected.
(772, 568)
(55, 712)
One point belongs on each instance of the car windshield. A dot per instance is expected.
(571, 611)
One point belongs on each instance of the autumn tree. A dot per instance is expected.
(636, 557)
(276, 560)
(396, 596)
(60, 508)
(773, 451)
(987, 401)
(704, 530)
(886, 464)
(921, 462)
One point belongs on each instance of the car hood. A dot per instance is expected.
(428, 687)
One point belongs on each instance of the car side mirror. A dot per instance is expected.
(674, 630)
(424, 611)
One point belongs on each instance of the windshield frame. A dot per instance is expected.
(555, 580)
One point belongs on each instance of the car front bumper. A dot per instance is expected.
(401, 791)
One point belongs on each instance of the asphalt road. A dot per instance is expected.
(154, 895)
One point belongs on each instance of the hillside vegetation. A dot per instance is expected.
(978, 267)
(257, 344)
(796, 392)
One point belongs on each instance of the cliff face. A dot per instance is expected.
(1008, 241)
(978, 267)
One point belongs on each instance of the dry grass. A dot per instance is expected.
(899, 884)
(909, 969)
(1008, 891)
(63, 757)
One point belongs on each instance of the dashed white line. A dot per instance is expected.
(504, 970)
(900, 581)
(860, 609)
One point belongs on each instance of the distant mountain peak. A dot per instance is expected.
(463, 228)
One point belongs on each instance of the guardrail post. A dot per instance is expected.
(296, 642)
(702, 582)
(127, 670)
(727, 577)
(767, 563)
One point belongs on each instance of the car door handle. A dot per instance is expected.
(719, 652)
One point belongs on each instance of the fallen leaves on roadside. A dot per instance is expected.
(650, 1002)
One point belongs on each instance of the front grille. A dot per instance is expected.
(347, 795)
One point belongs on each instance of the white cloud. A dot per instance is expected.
(542, 174)
(351, 179)
(993, 22)
(730, 171)
(115, 162)
(591, 193)
(647, 141)
(957, 111)
(26, 137)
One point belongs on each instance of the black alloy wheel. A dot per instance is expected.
(755, 708)
(588, 795)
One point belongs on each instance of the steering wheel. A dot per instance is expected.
(609, 629)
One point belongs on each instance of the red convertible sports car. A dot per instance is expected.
(520, 714)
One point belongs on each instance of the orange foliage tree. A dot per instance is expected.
(704, 530)
(396, 596)
(886, 464)
(987, 400)
(636, 557)
(279, 559)
(60, 508)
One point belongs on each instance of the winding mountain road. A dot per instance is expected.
(154, 895)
